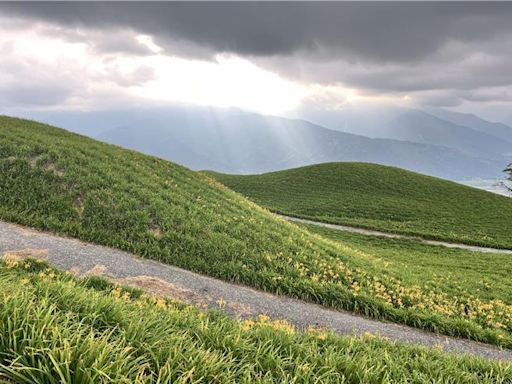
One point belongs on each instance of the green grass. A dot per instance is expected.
(384, 198)
(455, 272)
(60, 330)
(62, 182)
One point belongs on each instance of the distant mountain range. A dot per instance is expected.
(233, 141)
(499, 130)
(464, 132)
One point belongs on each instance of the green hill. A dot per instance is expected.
(384, 198)
(56, 329)
(66, 183)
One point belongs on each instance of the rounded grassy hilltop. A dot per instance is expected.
(384, 198)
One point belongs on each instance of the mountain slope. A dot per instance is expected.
(237, 142)
(499, 130)
(421, 127)
(384, 198)
(59, 181)
(233, 141)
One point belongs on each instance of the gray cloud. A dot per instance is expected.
(117, 42)
(442, 52)
(372, 30)
(113, 41)
(27, 82)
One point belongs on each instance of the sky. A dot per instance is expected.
(267, 57)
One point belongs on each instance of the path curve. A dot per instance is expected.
(371, 232)
(82, 258)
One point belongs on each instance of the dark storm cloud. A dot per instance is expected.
(442, 52)
(375, 31)
(119, 42)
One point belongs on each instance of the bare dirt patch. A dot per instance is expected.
(23, 231)
(75, 271)
(33, 159)
(36, 161)
(78, 205)
(50, 167)
(97, 270)
(159, 287)
(21, 254)
(156, 231)
(241, 310)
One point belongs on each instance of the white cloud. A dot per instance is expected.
(228, 81)
(74, 71)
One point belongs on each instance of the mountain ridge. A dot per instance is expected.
(419, 126)
(234, 141)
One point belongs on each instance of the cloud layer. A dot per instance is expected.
(443, 53)
(393, 32)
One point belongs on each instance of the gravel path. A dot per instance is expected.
(84, 258)
(369, 232)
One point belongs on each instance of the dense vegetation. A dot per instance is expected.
(60, 330)
(456, 272)
(58, 181)
(384, 198)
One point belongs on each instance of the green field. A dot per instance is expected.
(57, 329)
(384, 198)
(62, 182)
(456, 272)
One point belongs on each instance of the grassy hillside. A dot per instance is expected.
(455, 272)
(384, 198)
(58, 181)
(59, 329)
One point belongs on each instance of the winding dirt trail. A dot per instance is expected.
(161, 279)
(371, 232)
